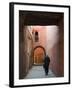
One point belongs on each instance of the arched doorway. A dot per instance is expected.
(39, 54)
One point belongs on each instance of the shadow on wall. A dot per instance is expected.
(25, 52)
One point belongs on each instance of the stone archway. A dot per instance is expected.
(38, 55)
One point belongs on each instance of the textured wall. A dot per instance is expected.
(51, 38)
(25, 52)
(42, 35)
(55, 48)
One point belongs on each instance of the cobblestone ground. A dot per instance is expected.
(38, 72)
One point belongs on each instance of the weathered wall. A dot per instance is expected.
(55, 48)
(25, 46)
(42, 35)
(39, 53)
(25, 52)
(51, 38)
(29, 48)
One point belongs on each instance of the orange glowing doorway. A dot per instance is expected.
(39, 54)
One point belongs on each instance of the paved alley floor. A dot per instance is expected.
(38, 72)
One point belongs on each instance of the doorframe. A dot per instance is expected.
(35, 49)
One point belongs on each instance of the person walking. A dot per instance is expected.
(46, 64)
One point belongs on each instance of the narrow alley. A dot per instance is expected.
(41, 35)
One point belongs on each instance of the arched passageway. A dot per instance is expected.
(54, 47)
(39, 54)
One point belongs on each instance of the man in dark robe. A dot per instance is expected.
(46, 64)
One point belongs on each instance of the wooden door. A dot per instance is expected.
(38, 56)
